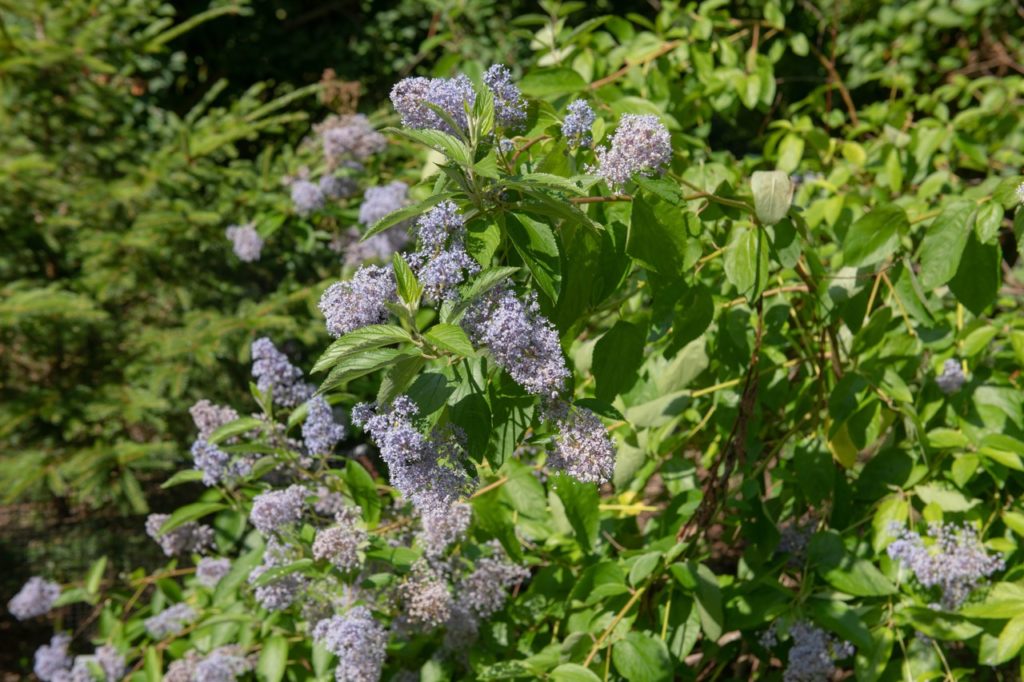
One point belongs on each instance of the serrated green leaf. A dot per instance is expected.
(875, 235)
(372, 336)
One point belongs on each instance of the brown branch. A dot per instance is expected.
(664, 49)
(600, 200)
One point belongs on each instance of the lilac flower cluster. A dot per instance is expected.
(522, 341)
(380, 247)
(641, 144)
(441, 262)
(509, 105)
(246, 242)
(485, 591)
(213, 462)
(106, 658)
(813, 654)
(208, 417)
(320, 432)
(350, 136)
(335, 187)
(359, 642)
(209, 571)
(952, 378)
(955, 563)
(380, 201)
(277, 595)
(35, 598)
(340, 544)
(274, 373)
(427, 471)
(52, 659)
(328, 502)
(577, 124)
(359, 302)
(307, 197)
(170, 621)
(444, 527)
(188, 537)
(795, 537)
(223, 664)
(425, 598)
(583, 448)
(275, 509)
(453, 96)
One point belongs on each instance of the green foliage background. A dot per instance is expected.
(756, 370)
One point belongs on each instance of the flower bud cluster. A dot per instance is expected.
(35, 598)
(209, 571)
(956, 562)
(577, 124)
(453, 96)
(208, 417)
(223, 664)
(426, 601)
(641, 144)
(952, 378)
(279, 594)
(583, 448)
(509, 105)
(522, 341)
(350, 136)
(52, 659)
(341, 543)
(441, 263)
(359, 642)
(170, 621)
(361, 301)
(186, 538)
(275, 509)
(320, 432)
(246, 242)
(273, 372)
(813, 654)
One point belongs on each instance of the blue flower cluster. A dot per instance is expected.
(441, 263)
(361, 301)
(641, 144)
(577, 124)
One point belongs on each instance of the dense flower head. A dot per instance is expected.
(813, 654)
(328, 502)
(349, 136)
(451, 95)
(426, 601)
(208, 417)
(340, 544)
(437, 226)
(380, 247)
(210, 570)
(577, 124)
(275, 509)
(359, 642)
(444, 527)
(223, 664)
(335, 187)
(441, 262)
(522, 341)
(426, 470)
(320, 432)
(952, 378)
(273, 372)
(956, 562)
(509, 105)
(485, 590)
(35, 598)
(211, 460)
(52, 659)
(170, 621)
(641, 144)
(246, 242)
(306, 197)
(361, 301)
(382, 200)
(583, 448)
(188, 537)
(106, 658)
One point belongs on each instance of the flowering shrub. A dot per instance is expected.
(603, 401)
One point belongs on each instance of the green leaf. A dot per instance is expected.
(977, 279)
(572, 672)
(642, 658)
(409, 288)
(746, 261)
(95, 575)
(844, 571)
(870, 663)
(277, 572)
(235, 428)
(773, 191)
(874, 236)
(538, 247)
(478, 286)
(989, 218)
(555, 81)
(659, 234)
(363, 491)
(273, 659)
(451, 338)
(580, 501)
(693, 315)
(1011, 639)
(364, 363)
(152, 665)
(372, 336)
(944, 243)
(618, 355)
(405, 213)
(183, 476)
(452, 148)
(473, 416)
(397, 379)
(190, 512)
